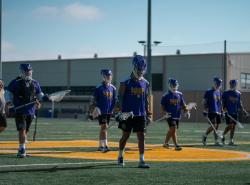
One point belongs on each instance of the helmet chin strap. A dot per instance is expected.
(26, 78)
(107, 81)
(136, 75)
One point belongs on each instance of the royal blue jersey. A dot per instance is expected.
(173, 103)
(134, 96)
(105, 98)
(23, 92)
(212, 101)
(231, 100)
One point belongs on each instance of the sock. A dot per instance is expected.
(22, 146)
(141, 157)
(105, 142)
(121, 153)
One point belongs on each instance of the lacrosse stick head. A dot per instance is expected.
(96, 112)
(58, 96)
(191, 105)
(122, 116)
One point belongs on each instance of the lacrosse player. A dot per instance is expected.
(232, 105)
(3, 122)
(172, 103)
(21, 91)
(133, 97)
(213, 109)
(104, 101)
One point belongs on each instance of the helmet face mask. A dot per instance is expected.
(173, 85)
(233, 84)
(26, 71)
(217, 83)
(139, 66)
(106, 75)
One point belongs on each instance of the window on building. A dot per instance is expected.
(157, 80)
(245, 80)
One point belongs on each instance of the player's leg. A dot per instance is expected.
(174, 135)
(139, 126)
(21, 128)
(211, 116)
(126, 128)
(227, 129)
(168, 134)
(3, 122)
(231, 142)
(216, 126)
(103, 142)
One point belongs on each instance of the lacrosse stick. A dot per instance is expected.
(239, 124)
(218, 133)
(96, 112)
(191, 105)
(14, 109)
(166, 116)
(121, 116)
(57, 97)
(36, 118)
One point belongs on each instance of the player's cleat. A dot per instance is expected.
(204, 140)
(178, 148)
(217, 143)
(120, 161)
(166, 145)
(21, 153)
(100, 148)
(142, 164)
(231, 143)
(105, 149)
(223, 140)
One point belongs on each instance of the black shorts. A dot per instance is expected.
(173, 122)
(135, 124)
(23, 122)
(3, 121)
(214, 118)
(104, 119)
(230, 121)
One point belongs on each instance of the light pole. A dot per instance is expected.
(144, 43)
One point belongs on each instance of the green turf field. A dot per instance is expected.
(82, 171)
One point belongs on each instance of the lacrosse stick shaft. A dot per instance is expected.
(212, 125)
(34, 134)
(237, 122)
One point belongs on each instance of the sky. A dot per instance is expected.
(43, 29)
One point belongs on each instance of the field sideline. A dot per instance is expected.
(65, 153)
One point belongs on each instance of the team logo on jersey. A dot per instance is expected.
(137, 91)
(174, 101)
(216, 98)
(108, 94)
(233, 99)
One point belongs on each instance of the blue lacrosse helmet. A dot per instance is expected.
(106, 73)
(26, 71)
(139, 66)
(217, 82)
(25, 67)
(173, 84)
(233, 83)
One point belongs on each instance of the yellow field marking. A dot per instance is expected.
(152, 153)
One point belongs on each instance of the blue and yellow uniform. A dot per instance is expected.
(133, 97)
(105, 99)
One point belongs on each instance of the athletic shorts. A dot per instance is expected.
(3, 121)
(214, 118)
(104, 119)
(135, 124)
(230, 121)
(23, 122)
(173, 122)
